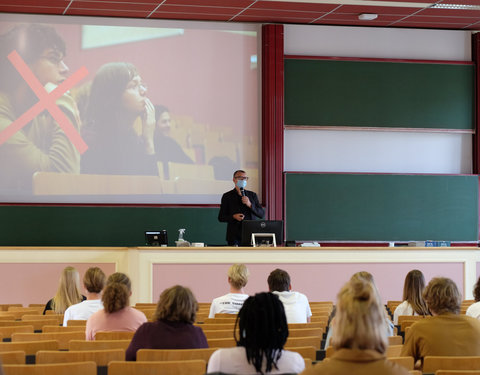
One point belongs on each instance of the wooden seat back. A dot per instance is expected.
(434, 363)
(77, 368)
(225, 342)
(7, 331)
(63, 338)
(304, 351)
(76, 322)
(98, 344)
(407, 362)
(314, 341)
(13, 358)
(114, 335)
(100, 357)
(192, 367)
(29, 347)
(174, 354)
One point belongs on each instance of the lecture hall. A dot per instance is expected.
(356, 122)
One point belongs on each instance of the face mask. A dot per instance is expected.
(242, 184)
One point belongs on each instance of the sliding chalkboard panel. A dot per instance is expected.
(381, 207)
(105, 226)
(378, 94)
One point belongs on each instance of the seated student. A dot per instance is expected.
(296, 304)
(474, 309)
(167, 149)
(68, 292)
(116, 314)
(264, 331)
(359, 337)
(93, 283)
(232, 302)
(413, 303)
(446, 333)
(173, 324)
(368, 277)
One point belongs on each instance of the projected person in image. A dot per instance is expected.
(167, 148)
(41, 145)
(237, 205)
(117, 100)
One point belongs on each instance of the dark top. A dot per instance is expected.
(232, 204)
(167, 149)
(122, 153)
(49, 305)
(164, 334)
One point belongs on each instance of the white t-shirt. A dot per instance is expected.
(82, 310)
(474, 310)
(234, 361)
(230, 303)
(403, 309)
(297, 308)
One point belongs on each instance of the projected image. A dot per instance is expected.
(126, 114)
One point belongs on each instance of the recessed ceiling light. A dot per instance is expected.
(367, 16)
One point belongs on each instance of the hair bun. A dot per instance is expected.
(362, 290)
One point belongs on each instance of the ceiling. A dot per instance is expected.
(391, 13)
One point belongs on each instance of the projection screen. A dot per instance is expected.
(123, 111)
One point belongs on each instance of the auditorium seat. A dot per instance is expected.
(191, 367)
(63, 338)
(5, 306)
(114, 335)
(407, 362)
(434, 363)
(314, 341)
(6, 332)
(29, 347)
(98, 344)
(174, 354)
(304, 351)
(12, 358)
(395, 340)
(226, 342)
(223, 326)
(76, 322)
(78, 368)
(56, 328)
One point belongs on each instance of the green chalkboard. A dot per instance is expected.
(372, 207)
(379, 94)
(105, 226)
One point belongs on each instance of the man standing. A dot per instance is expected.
(297, 308)
(237, 205)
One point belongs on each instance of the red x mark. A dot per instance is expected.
(46, 101)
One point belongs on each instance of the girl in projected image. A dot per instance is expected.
(117, 100)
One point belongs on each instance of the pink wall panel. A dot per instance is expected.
(37, 282)
(318, 281)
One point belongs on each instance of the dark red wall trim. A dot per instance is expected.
(272, 120)
(476, 136)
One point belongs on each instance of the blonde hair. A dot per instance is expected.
(68, 292)
(412, 292)
(442, 296)
(360, 321)
(177, 304)
(238, 274)
(116, 295)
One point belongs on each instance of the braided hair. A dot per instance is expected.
(263, 330)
